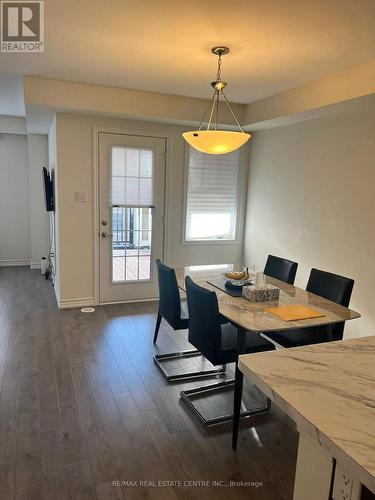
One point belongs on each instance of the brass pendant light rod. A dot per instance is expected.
(214, 104)
(217, 111)
(231, 110)
(207, 111)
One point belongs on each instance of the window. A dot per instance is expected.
(212, 196)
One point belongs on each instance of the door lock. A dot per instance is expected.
(104, 222)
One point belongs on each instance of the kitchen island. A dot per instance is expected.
(328, 390)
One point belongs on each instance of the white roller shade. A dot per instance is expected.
(131, 180)
(212, 186)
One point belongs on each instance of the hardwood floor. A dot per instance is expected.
(82, 405)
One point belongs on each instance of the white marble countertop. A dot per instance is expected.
(329, 391)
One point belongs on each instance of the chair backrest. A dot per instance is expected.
(281, 269)
(204, 320)
(332, 287)
(169, 297)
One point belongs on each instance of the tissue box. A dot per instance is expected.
(253, 295)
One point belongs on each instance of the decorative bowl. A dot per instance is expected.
(231, 281)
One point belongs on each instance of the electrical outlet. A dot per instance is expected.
(344, 487)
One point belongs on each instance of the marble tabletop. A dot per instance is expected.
(252, 316)
(329, 391)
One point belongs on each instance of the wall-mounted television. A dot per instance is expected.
(48, 190)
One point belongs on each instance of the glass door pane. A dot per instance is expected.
(131, 243)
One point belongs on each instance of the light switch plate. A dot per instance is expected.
(80, 197)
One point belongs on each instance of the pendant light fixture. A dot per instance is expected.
(211, 140)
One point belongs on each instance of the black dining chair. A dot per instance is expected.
(175, 312)
(218, 344)
(281, 269)
(332, 287)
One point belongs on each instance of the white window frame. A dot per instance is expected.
(240, 205)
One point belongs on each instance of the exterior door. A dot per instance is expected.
(131, 212)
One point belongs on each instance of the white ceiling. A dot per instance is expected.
(164, 45)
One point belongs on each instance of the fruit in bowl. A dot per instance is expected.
(237, 278)
(237, 275)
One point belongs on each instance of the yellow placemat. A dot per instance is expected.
(294, 312)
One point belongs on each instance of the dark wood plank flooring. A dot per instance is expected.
(82, 405)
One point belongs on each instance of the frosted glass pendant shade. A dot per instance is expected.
(216, 142)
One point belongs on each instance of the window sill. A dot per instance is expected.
(209, 242)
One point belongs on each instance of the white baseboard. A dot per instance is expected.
(79, 302)
(90, 301)
(132, 301)
(20, 262)
(16, 262)
(57, 296)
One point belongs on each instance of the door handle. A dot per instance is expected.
(106, 235)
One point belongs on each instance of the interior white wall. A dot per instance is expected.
(310, 199)
(14, 201)
(53, 216)
(12, 124)
(37, 146)
(74, 160)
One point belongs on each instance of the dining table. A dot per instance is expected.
(254, 317)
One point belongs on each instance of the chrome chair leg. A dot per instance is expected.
(188, 396)
(276, 344)
(160, 358)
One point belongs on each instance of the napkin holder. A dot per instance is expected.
(254, 294)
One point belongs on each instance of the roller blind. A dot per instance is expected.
(131, 180)
(212, 196)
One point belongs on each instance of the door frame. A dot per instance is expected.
(95, 199)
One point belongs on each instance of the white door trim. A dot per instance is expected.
(95, 190)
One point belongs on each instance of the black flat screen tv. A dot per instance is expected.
(48, 190)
